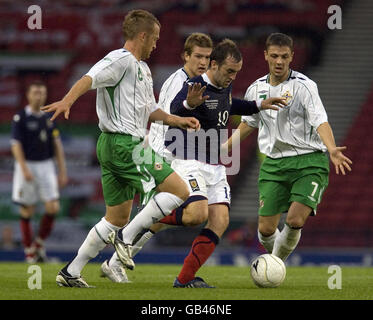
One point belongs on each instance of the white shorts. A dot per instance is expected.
(43, 187)
(204, 179)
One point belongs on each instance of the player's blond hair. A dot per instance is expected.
(196, 39)
(137, 21)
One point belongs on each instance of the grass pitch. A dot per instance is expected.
(154, 282)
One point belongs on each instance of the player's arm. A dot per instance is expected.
(19, 156)
(244, 107)
(240, 134)
(107, 72)
(340, 161)
(63, 106)
(16, 146)
(173, 120)
(60, 159)
(318, 118)
(188, 98)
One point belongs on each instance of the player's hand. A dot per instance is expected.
(195, 95)
(340, 161)
(273, 103)
(58, 107)
(28, 175)
(62, 180)
(188, 123)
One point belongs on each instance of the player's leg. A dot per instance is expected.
(193, 214)
(204, 245)
(289, 236)
(268, 231)
(118, 197)
(47, 185)
(218, 193)
(26, 213)
(45, 228)
(172, 192)
(24, 194)
(274, 196)
(308, 185)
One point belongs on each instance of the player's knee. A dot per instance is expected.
(266, 229)
(26, 212)
(295, 221)
(52, 207)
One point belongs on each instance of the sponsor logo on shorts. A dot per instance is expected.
(261, 203)
(158, 166)
(194, 185)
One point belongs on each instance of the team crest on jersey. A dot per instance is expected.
(158, 166)
(287, 95)
(194, 185)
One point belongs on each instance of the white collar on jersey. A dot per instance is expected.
(29, 112)
(207, 79)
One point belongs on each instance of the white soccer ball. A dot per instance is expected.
(268, 271)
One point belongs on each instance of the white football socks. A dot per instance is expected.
(96, 240)
(286, 242)
(268, 241)
(161, 205)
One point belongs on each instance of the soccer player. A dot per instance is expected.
(196, 56)
(201, 170)
(125, 103)
(295, 172)
(35, 142)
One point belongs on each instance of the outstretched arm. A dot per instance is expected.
(340, 161)
(242, 132)
(63, 106)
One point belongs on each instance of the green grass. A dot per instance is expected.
(155, 282)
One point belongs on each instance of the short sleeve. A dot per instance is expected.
(16, 134)
(313, 105)
(108, 71)
(252, 120)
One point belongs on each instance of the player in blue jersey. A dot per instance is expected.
(209, 177)
(35, 142)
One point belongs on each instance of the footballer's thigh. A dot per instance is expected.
(174, 184)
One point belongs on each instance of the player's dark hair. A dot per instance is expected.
(37, 83)
(224, 49)
(279, 39)
(197, 39)
(137, 21)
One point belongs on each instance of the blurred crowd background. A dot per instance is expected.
(77, 33)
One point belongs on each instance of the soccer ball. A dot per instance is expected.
(268, 271)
